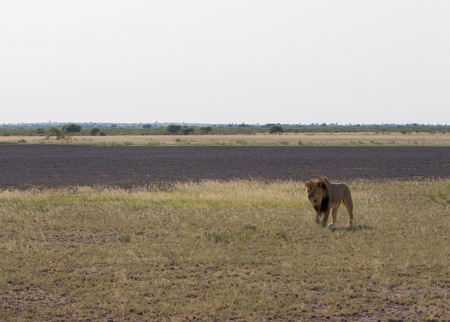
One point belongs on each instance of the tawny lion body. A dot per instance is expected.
(325, 197)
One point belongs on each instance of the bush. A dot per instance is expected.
(206, 130)
(187, 130)
(94, 131)
(71, 128)
(173, 129)
(274, 129)
(40, 131)
(54, 131)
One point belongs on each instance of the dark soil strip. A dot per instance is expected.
(51, 166)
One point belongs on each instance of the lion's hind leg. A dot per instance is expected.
(348, 203)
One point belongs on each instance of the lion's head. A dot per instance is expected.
(317, 192)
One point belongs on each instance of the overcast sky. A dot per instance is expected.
(233, 61)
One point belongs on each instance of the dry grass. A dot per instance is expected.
(288, 139)
(224, 250)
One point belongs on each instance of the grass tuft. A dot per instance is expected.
(249, 226)
(125, 239)
(218, 237)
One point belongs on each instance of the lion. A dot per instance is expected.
(325, 196)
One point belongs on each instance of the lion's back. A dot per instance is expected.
(338, 192)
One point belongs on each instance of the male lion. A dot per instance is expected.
(325, 196)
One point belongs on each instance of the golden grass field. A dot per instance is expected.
(217, 251)
(287, 139)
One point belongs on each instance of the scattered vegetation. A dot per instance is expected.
(283, 139)
(178, 129)
(241, 250)
(231, 129)
(439, 196)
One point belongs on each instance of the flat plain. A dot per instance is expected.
(285, 139)
(221, 233)
(224, 251)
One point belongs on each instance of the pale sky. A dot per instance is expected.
(233, 61)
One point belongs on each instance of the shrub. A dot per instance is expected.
(218, 237)
(206, 130)
(187, 130)
(125, 239)
(274, 129)
(94, 131)
(249, 226)
(40, 131)
(71, 128)
(173, 129)
(54, 131)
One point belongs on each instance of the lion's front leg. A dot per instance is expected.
(333, 217)
(326, 214)
(318, 215)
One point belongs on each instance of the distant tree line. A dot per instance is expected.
(73, 129)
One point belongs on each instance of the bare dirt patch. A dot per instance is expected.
(52, 166)
(19, 297)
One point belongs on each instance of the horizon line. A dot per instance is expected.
(224, 124)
